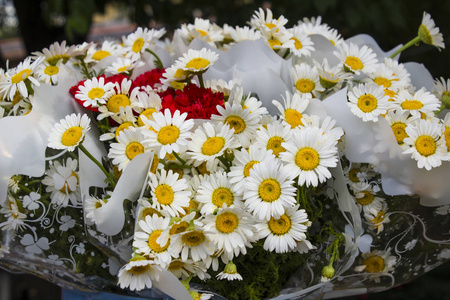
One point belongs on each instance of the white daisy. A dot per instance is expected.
(63, 183)
(69, 132)
(123, 66)
(308, 155)
(169, 192)
(293, 108)
(138, 274)
(355, 59)
(147, 103)
(107, 48)
(376, 220)
(202, 29)
(429, 33)
(239, 34)
(94, 91)
(368, 101)
(269, 190)
(15, 219)
(421, 102)
(215, 191)
(303, 45)
(196, 61)
(136, 43)
(58, 53)
(48, 73)
(331, 77)
(366, 198)
(129, 145)
(125, 119)
(229, 273)
(91, 203)
(183, 269)
(377, 262)
(209, 142)
(279, 39)
(120, 96)
(400, 72)
(398, 120)
(326, 126)
(265, 21)
(441, 89)
(427, 146)
(170, 132)
(254, 105)
(282, 233)
(385, 77)
(306, 79)
(271, 137)
(446, 134)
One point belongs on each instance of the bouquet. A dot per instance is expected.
(248, 162)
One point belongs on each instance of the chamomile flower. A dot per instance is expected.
(183, 269)
(446, 134)
(107, 48)
(15, 219)
(429, 33)
(209, 142)
(91, 203)
(293, 108)
(48, 73)
(146, 239)
(120, 96)
(229, 273)
(241, 120)
(169, 133)
(125, 119)
(271, 137)
(308, 155)
(169, 192)
(376, 220)
(244, 161)
(254, 105)
(325, 125)
(129, 145)
(138, 273)
(136, 43)
(368, 101)
(57, 53)
(385, 77)
(147, 103)
(94, 91)
(303, 45)
(69, 132)
(401, 74)
(216, 191)
(357, 173)
(306, 79)
(202, 29)
(377, 262)
(421, 102)
(331, 77)
(279, 39)
(269, 191)
(239, 34)
(265, 21)
(282, 233)
(175, 77)
(123, 66)
(366, 198)
(196, 61)
(426, 144)
(355, 59)
(441, 89)
(398, 120)
(62, 182)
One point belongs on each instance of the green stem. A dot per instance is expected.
(158, 62)
(179, 158)
(406, 46)
(200, 78)
(22, 187)
(440, 109)
(108, 175)
(225, 162)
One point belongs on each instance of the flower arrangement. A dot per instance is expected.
(250, 162)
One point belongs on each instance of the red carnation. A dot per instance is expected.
(151, 78)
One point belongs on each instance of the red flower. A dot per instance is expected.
(197, 102)
(151, 78)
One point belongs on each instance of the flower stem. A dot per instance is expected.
(108, 175)
(406, 46)
(179, 158)
(200, 78)
(158, 62)
(440, 110)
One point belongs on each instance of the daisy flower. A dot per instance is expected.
(136, 43)
(202, 29)
(146, 239)
(123, 66)
(209, 142)
(169, 192)
(48, 73)
(196, 61)
(271, 137)
(269, 190)
(441, 89)
(265, 21)
(94, 91)
(125, 119)
(331, 77)
(385, 77)
(240, 34)
(421, 102)
(357, 59)
(62, 182)
(293, 108)
(446, 134)
(366, 198)
(427, 146)
(15, 219)
(358, 173)
(306, 79)
(429, 33)
(326, 126)
(57, 53)
(308, 155)
(120, 96)
(69, 132)
(398, 120)
(401, 74)
(379, 262)
(303, 45)
(279, 39)
(91, 203)
(138, 274)
(108, 48)
(254, 105)
(147, 103)
(376, 220)
(282, 233)
(169, 132)
(368, 101)
(243, 163)
(241, 120)
(129, 145)
(183, 269)
(229, 273)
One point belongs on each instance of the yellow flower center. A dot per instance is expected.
(51, 70)
(202, 169)
(138, 270)
(155, 164)
(447, 137)
(95, 93)
(399, 130)
(367, 103)
(305, 85)
(177, 85)
(353, 174)
(354, 63)
(249, 166)
(54, 59)
(274, 144)
(137, 45)
(100, 54)
(425, 145)
(374, 264)
(390, 93)
(280, 226)
(66, 189)
(383, 81)
(202, 32)
(269, 190)
(180, 74)
(379, 218)
(193, 238)
(17, 98)
(164, 194)
(293, 117)
(366, 198)
(72, 136)
(150, 211)
(274, 43)
(123, 69)
(222, 195)
(153, 245)
(198, 63)
(122, 127)
(21, 76)
(147, 113)
(176, 265)
(270, 25)
(307, 158)
(99, 203)
(227, 222)
(237, 123)
(298, 45)
(133, 149)
(117, 101)
(412, 104)
(178, 227)
(213, 145)
(168, 134)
